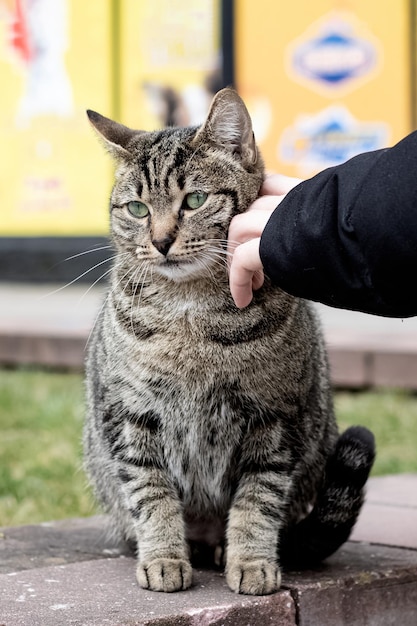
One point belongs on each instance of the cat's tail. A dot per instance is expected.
(338, 504)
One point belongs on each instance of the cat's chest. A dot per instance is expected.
(200, 455)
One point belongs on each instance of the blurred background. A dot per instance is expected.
(323, 80)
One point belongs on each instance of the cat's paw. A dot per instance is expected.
(164, 575)
(255, 578)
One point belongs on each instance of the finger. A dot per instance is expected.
(241, 286)
(277, 184)
(246, 272)
(243, 283)
(265, 203)
(247, 226)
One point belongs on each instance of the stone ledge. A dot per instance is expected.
(69, 573)
(95, 593)
(49, 325)
(351, 366)
(357, 367)
(43, 349)
(57, 543)
(363, 584)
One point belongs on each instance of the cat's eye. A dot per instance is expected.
(195, 200)
(137, 209)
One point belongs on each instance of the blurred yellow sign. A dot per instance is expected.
(324, 80)
(170, 61)
(148, 64)
(53, 179)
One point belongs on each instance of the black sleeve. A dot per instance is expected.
(348, 236)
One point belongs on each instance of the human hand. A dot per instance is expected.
(245, 266)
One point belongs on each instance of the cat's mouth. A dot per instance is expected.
(182, 269)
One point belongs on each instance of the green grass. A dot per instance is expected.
(392, 417)
(40, 447)
(41, 415)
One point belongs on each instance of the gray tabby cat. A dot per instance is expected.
(208, 424)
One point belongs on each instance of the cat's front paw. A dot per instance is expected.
(256, 578)
(164, 575)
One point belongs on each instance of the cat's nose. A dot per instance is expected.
(163, 245)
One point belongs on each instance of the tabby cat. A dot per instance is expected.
(209, 425)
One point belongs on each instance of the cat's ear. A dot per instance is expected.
(228, 124)
(115, 136)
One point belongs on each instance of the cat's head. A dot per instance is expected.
(177, 189)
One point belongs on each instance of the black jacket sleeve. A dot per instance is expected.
(348, 236)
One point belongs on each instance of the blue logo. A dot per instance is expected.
(331, 137)
(335, 56)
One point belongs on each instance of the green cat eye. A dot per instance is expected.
(137, 209)
(196, 199)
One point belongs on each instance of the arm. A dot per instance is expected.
(348, 236)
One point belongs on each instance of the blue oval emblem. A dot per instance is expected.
(334, 57)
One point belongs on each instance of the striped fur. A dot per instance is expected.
(208, 424)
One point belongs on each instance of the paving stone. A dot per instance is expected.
(57, 543)
(389, 516)
(387, 525)
(361, 585)
(97, 593)
(393, 490)
(72, 573)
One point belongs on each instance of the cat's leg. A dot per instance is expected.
(163, 555)
(153, 506)
(338, 504)
(257, 514)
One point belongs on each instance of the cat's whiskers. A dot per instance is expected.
(213, 259)
(143, 281)
(118, 300)
(141, 272)
(96, 248)
(74, 280)
(204, 263)
(222, 256)
(211, 256)
(75, 256)
(218, 255)
(106, 273)
(97, 317)
(106, 299)
(228, 246)
(101, 277)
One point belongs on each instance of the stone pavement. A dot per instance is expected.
(48, 325)
(70, 573)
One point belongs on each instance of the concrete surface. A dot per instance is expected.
(72, 573)
(50, 325)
